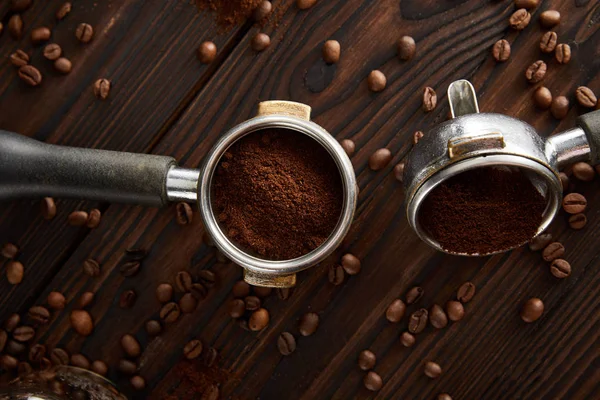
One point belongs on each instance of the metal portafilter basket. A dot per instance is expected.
(473, 140)
(29, 168)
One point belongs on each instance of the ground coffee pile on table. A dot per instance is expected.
(278, 194)
(229, 12)
(482, 211)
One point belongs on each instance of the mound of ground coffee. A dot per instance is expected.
(229, 12)
(277, 194)
(482, 211)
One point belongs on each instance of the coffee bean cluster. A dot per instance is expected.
(247, 306)
(14, 269)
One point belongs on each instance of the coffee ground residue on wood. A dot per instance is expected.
(229, 13)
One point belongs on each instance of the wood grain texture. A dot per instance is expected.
(490, 354)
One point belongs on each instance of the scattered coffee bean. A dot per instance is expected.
(260, 42)
(395, 311)
(455, 310)
(373, 381)
(432, 369)
(40, 315)
(20, 5)
(553, 251)
(19, 58)
(9, 251)
(586, 97)
(262, 291)
(64, 66)
(366, 360)
(12, 322)
(23, 333)
(184, 213)
(84, 33)
(259, 320)
(188, 303)
(548, 42)
(540, 242)
(15, 348)
(262, 11)
(63, 10)
(48, 208)
(130, 268)
(183, 281)
(30, 75)
(45, 364)
(252, 303)
(41, 34)
(207, 52)
(131, 346)
(562, 53)
(164, 292)
(101, 88)
(564, 181)
(466, 292)
(137, 382)
(519, 19)
(583, 171)
(240, 289)
(56, 300)
(336, 274)
(86, 299)
(429, 99)
(199, 291)
(574, 203)
(81, 322)
(559, 107)
(237, 308)
(414, 294)
(207, 277)
(77, 218)
(99, 367)
(501, 50)
(560, 268)
(536, 72)
(532, 310)
(376, 81)
(15, 26)
(59, 356)
(308, 324)
(36, 352)
(418, 321)
(550, 18)
(577, 221)
(528, 4)
(8, 362)
(305, 4)
(399, 172)
(407, 339)
(81, 361)
(331, 51)
(286, 343)
(351, 264)
(406, 48)
(127, 367)
(417, 137)
(437, 317)
(284, 293)
(94, 218)
(14, 272)
(348, 146)
(91, 267)
(3, 339)
(542, 97)
(153, 328)
(24, 368)
(170, 312)
(380, 159)
(127, 299)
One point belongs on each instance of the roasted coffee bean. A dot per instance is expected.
(19, 58)
(308, 324)
(207, 52)
(3, 339)
(64, 9)
(574, 203)
(414, 295)
(237, 308)
(528, 4)
(399, 172)
(130, 345)
(8, 362)
(418, 321)
(127, 299)
(64, 66)
(127, 367)
(183, 281)
(432, 370)
(548, 42)
(376, 81)
(305, 4)
(519, 19)
(259, 320)
(380, 159)
(564, 181)
(559, 107)
(99, 367)
(562, 53)
(406, 48)
(94, 219)
(45, 364)
(207, 277)
(101, 88)
(210, 357)
(12, 322)
(336, 274)
(193, 349)
(560, 268)
(15, 348)
(170, 312)
(91, 267)
(184, 213)
(40, 34)
(9, 251)
(137, 382)
(366, 360)
(542, 97)
(331, 51)
(583, 171)
(240, 289)
(84, 33)
(417, 137)
(577, 221)
(536, 72)
(36, 352)
(24, 368)
(348, 146)
(23, 333)
(199, 291)
(252, 303)
(77, 218)
(30, 75)
(14, 272)
(532, 310)
(59, 356)
(81, 322)
(260, 42)
(48, 208)
(284, 293)
(540, 242)
(286, 343)
(501, 50)
(465, 292)
(81, 361)
(550, 18)
(429, 99)
(38, 314)
(86, 299)
(188, 303)
(553, 251)
(15, 26)
(437, 317)
(153, 328)
(586, 97)
(130, 268)
(164, 292)
(20, 5)
(455, 310)
(351, 264)
(373, 381)
(407, 339)
(262, 11)
(262, 291)
(395, 311)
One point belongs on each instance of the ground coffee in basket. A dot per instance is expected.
(483, 210)
(277, 193)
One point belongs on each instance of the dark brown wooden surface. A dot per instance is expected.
(165, 102)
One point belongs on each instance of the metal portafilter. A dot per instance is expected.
(472, 140)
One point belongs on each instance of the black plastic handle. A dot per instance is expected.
(29, 168)
(590, 123)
